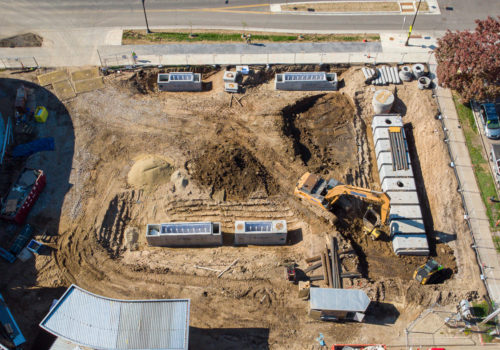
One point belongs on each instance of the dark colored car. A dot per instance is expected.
(490, 120)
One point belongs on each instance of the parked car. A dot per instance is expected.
(495, 158)
(489, 117)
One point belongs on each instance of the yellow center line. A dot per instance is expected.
(217, 9)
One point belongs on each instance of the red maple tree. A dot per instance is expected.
(469, 62)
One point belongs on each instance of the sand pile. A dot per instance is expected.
(149, 171)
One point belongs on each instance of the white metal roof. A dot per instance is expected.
(354, 300)
(91, 320)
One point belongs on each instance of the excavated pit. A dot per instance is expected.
(322, 133)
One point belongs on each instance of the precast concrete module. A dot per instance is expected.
(179, 81)
(405, 73)
(306, 81)
(260, 232)
(184, 234)
(406, 223)
(231, 77)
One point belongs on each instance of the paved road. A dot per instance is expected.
(21, 15)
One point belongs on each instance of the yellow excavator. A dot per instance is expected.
(324, 194)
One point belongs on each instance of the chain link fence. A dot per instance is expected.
(18, 62)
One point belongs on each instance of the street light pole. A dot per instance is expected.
(412, 23)
(146, 18)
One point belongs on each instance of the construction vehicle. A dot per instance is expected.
(324, 194)
(425, 272)
(371, 224)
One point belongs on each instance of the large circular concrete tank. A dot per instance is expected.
(382, 101)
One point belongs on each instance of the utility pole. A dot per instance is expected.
(146, 18)
(412, 23)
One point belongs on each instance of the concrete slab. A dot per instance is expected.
(52, 77)
(405, 212)
(410, 245)
(64, 90)
(399, 184)
(386, 171)
(403, 198)
(89, 85)
(85, 74)
(407, 227)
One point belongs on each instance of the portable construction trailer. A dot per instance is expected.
(306, 81)
(179, 81)
(333, 304)
(260, 232)
(184, 234)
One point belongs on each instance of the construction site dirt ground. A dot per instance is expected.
(127, 156)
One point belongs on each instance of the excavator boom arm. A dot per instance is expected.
(364, 194)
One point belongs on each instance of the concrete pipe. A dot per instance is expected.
(382, 101)
(424, 83)
(405, 73)
(418, 70)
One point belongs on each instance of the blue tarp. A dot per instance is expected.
(26, 149)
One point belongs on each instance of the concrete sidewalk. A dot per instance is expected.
(103, 47)
(488, 256)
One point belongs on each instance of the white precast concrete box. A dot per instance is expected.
(407, 226)
(306, 81)
(399, 184)
(231, 77)
(179, 81)
(405, 217)
(260, 232)
(410, 244)
(184, 234)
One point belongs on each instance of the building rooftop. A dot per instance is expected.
(351, 300)
(103, 323)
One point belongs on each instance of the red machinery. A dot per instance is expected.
(359, 346)
(23, 195)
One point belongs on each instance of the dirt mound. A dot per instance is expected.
(23, 40)
(234, 169)
(149, 171)
(322, 131)
(143, 81)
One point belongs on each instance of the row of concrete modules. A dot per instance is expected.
(397, 179)
(289, 81)
(179, 234)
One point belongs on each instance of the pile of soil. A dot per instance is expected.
(23, 40)
(149, 171)
(143, 81)
(322, 130)
(233, 169)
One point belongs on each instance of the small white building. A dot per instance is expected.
(332, 304)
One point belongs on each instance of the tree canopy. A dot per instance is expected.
(469, 62)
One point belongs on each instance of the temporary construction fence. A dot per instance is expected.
(131, 59)
(267, 58)
(18, 62)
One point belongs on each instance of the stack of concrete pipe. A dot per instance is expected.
(418, 70)
(381, 76)
(424, 83)
(405, 73)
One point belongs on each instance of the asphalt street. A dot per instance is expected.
(22, 15)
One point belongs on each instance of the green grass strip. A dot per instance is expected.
(479, 163)
(229, 37)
